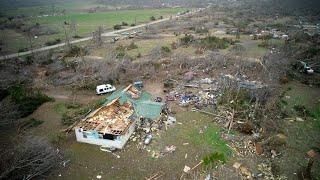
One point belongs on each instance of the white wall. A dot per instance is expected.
(117, 143)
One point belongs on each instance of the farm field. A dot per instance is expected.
(85, 24)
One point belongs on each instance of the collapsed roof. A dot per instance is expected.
(112, 118)
(120, 110)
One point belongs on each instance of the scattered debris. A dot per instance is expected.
(171, 120)
(259, 149)
(312, 153)
(189, 76)
(236, 165)
(208, 177)
(186, 169)
(273, 153)
(245, 171)
(170, 149)
(155, 176)
(299, 119)
(64, 163)
(148, 139)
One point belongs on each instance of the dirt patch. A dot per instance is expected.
(155, 88)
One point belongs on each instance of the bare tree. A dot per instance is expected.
(33, 157)
(73, 28)
(66, 34)
(97, 36)
(30, 34)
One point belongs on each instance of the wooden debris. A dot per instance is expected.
(259, 149)
(236, 165)
(311, 153)
(245, 171)
(155, 176)
(186, 169)
(197, 165)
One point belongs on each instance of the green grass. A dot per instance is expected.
(47, 8)
(70, 112)
(251, 46)
(302, 136)
(146, 46)
(13, 41)
(86, 24)
(210, 138)
(27, 100)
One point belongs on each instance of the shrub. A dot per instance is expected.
(120, 51)
(302, 110)
(117, 27)
(165, 49)
(187, 39)
(27, 100)
(174, 45)
(30, 123)
(124, 24)
(53, 42)
(133, 24)
(312, 51)
(131, 46)
(76, 51)
(213, 42)
(213, 159)
(23, 49)
(202, 30)
(152, 18)
(77, 36)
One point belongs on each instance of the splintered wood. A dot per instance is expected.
(111, 119)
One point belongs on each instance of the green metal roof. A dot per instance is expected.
(143, 107)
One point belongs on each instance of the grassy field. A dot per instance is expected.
(86, 23)
(48, 7)
(302, 136)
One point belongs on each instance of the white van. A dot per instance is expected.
(105, 88)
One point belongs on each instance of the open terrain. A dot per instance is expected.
(252, 111)
(48, 23)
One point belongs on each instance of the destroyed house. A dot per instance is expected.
(112, 124)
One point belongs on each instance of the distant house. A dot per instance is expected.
(112, 124)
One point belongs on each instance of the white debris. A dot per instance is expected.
(186, 169)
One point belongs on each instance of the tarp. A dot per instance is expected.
(143, 107)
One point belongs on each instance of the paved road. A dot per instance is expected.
(107, 34)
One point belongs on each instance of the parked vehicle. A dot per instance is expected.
(138, 84)
(304, 67)
(105, 88)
